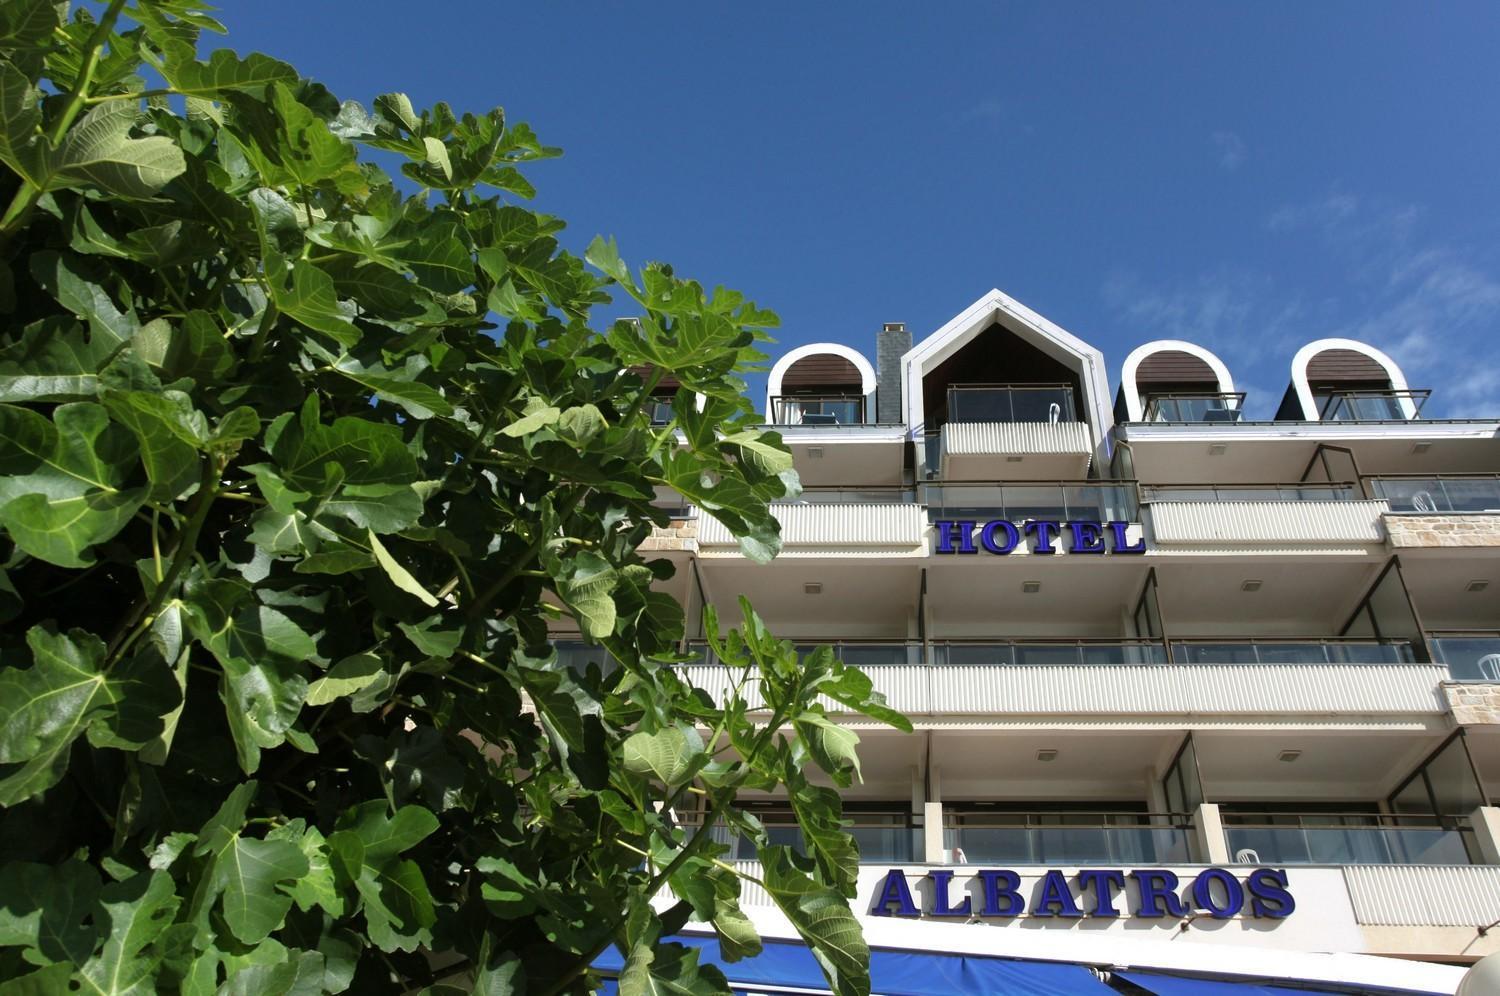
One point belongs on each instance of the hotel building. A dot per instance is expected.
(1143, 636)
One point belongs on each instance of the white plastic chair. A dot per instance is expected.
(1423, 501)
(1246, 856)
(1054, 413)
(1489, 667)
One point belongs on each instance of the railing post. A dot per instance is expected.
(932, 833)
(1486, 823)
(1208, 835)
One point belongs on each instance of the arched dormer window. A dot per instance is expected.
(1175, 381)
(824, 383)
(1343, 380)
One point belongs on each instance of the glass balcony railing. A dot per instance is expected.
(883, 836)
(1469, 656)
(853, 496)
(1043, 653)
(1439, 495)
(1206, 407)
(1107, 653)
(1094, 501)
(1347, 839)
(1370, 406)
(1011, 403)
(1072, 838)
(1251, 492)
(818, 409)
(1292, 652)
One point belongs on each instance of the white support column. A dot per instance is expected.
(932, 832)
(1486, 823)
(1208, 835)
(1156, 796)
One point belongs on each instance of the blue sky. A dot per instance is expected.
(1249, 178)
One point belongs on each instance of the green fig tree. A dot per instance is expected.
(301, 465)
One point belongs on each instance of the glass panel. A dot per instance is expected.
(1347, 845)
(1391, 610)
(863, 655)
(1470, 658)
(1412, 797)
(818, 410)
(1192, 789)
(1083, 844)
(1439, 495)
(661, 411)
(1034, 502)
(1454, 788)
(1041, 653)
(1011, 404)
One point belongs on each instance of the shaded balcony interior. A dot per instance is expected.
(820, 389)
(1000, 376)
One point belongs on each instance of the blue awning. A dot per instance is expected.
(892, 973)
(1176, 985)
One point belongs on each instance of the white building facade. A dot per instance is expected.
(1195, 696)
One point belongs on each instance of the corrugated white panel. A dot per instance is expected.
(896, 524)
(1267, 521)
(991, 438)
(1424, 895)
(750, 893)
(1123, 690)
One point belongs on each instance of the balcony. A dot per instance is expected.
(996, 430)
(993, 837)
(834, 528)
(826, 410)
(1273, 516)
(1348, 839)
(1194, 408)
(1127, 679)
(1371, 406)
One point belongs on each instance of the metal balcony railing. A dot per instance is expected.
(1072, 838)
(1195, 407)
(1011, 403)
(1096, 501)
(1371, 406)
(1251, 492)
(1469, 656)
(1438, 494)
(818, 409)
(1348, 839)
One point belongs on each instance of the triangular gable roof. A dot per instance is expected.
(997, 306)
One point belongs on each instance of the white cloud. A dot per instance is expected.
(1230, 148)
(1421, 301)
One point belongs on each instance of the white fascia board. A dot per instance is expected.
(849, 434)
(1262, 963)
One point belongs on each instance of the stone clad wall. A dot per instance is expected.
(1468, 529)
(1473, 702)
(682, 534)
